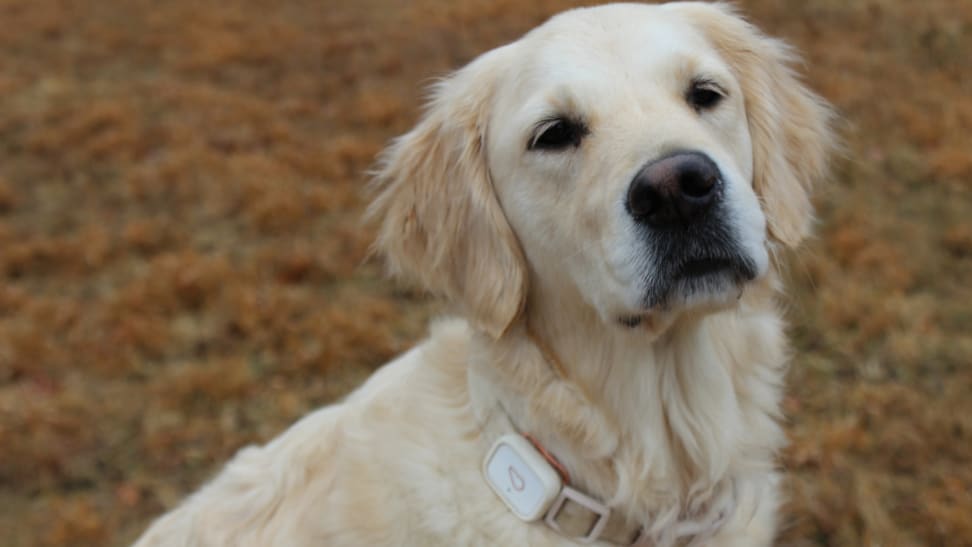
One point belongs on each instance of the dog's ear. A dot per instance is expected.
(441, 222)
(789, 125)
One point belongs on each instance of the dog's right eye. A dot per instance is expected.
(704, 94)
(557, 134)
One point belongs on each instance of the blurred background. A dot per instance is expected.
(183, 267)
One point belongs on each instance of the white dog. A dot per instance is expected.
(603, 200)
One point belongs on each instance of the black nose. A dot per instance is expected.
(674, 190)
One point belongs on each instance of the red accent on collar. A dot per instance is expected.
(561, 470)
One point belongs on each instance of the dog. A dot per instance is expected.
(605, 203)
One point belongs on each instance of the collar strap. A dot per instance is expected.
(535, 486)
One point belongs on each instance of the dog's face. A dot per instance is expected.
(646, 158)
(621, 153)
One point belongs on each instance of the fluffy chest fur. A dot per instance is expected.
(672, 433)
(412, 476)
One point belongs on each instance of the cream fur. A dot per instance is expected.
(664, 421)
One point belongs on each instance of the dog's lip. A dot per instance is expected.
(704, 266)
(711, 265)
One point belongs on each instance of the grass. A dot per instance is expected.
(183, 268)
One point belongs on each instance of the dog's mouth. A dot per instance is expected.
(697, 281)
(702, 278)
(735, 267)
(705, 266)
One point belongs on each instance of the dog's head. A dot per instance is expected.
(648, 158)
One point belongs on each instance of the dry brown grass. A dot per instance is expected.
(183, 267)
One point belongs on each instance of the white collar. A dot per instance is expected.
(535, 486)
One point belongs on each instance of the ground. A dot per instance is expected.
(183, 268)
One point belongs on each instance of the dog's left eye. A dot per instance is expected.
(704, 95)
(557, 134)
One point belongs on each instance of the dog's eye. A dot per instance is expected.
(557, 134)
(704, 95)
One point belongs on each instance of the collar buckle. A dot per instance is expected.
(602, 512)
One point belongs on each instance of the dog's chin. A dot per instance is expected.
(708, 292)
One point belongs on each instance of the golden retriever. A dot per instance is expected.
(604, 202)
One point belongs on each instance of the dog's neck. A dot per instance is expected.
(648, 421)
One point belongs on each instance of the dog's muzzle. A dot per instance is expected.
(679, 205)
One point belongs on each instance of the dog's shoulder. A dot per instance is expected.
(324, 475)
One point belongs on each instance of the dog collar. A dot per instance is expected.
(534, 486)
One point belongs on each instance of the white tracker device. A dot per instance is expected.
(521, 477)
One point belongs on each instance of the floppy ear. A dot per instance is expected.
(441, 222)
(789, 125)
